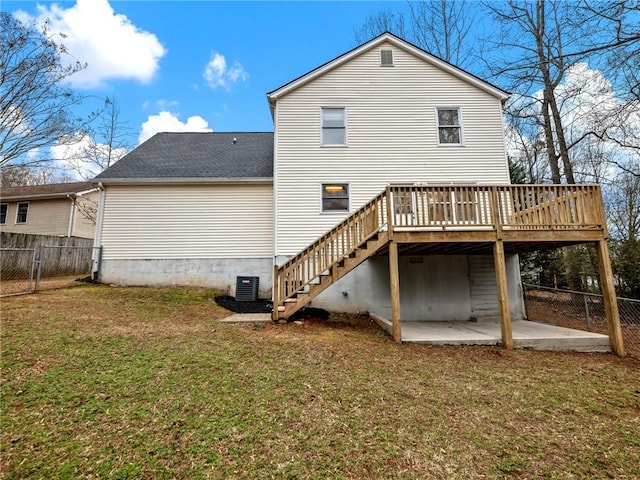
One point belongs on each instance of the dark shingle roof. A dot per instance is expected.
(44, 191)
(175, 156)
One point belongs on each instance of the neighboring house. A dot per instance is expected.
(401, 150)
(64, 209)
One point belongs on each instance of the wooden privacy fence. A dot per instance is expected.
(30, 262)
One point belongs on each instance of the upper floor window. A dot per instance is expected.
(23, 210)
(449, 126)
(334, 126)
(335, 197)
(3, 213)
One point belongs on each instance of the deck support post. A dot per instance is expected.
(609, 298)
(394, 275)
(503, 295)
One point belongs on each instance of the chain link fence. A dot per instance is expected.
(17, 266)
(582, 311)
(27, 270)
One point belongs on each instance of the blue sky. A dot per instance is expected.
(152, 55)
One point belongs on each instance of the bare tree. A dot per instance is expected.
(35, 102)
(533, 32)
(19, 175)
(441, 27)
(378, 23)
(96, 149)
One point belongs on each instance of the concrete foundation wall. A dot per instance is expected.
(432, 288)
(216, 273)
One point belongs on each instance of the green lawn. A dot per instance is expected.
(106, 382)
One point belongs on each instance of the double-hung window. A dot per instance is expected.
(23, 211)
(335, 197)
(3, 213)
(334, 126)
(449, 126)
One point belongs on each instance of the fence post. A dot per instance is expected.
(586, 311)
(31, 270)
(40, 255)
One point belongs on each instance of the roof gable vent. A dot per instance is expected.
(386, 57)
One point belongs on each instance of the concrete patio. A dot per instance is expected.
(526, 334)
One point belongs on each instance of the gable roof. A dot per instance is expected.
(42, 192)
(400, 43)
(196, 157)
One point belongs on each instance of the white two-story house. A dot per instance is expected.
(383, 188)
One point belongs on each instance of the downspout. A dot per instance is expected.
(97, 242)
(72, 214)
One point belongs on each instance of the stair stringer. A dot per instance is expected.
(337, 271)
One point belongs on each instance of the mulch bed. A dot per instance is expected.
(265, 306)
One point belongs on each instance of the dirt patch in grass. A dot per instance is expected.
(109, 382)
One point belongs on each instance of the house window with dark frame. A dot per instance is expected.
(335, 197)
(23, 211)
(334, 126)
(3, 213)
(449, 126)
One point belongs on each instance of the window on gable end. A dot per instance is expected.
(386, 57)
(449, 126)
(334, 126)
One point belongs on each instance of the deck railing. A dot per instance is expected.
(525, 207)
(444, 207)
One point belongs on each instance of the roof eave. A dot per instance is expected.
(183, 180)
(45, 196)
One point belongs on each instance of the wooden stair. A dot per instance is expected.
(301, 298)
(328, 259)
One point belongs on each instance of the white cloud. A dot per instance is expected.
(217, 74)
(112, 46)
(168, 122)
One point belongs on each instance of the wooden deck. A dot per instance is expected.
(452, 219)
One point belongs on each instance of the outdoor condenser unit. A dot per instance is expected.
(247, 289)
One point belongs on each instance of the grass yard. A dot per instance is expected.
(107, 382)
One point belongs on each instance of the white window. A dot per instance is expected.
(23, 211)
(335, 197)
(449, 126)
(334, 126)
(386, 57)
(3, 213)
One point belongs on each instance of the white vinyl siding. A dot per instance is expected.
(188, 221)
(392, 139)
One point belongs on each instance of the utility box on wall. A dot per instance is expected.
(247, 289)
